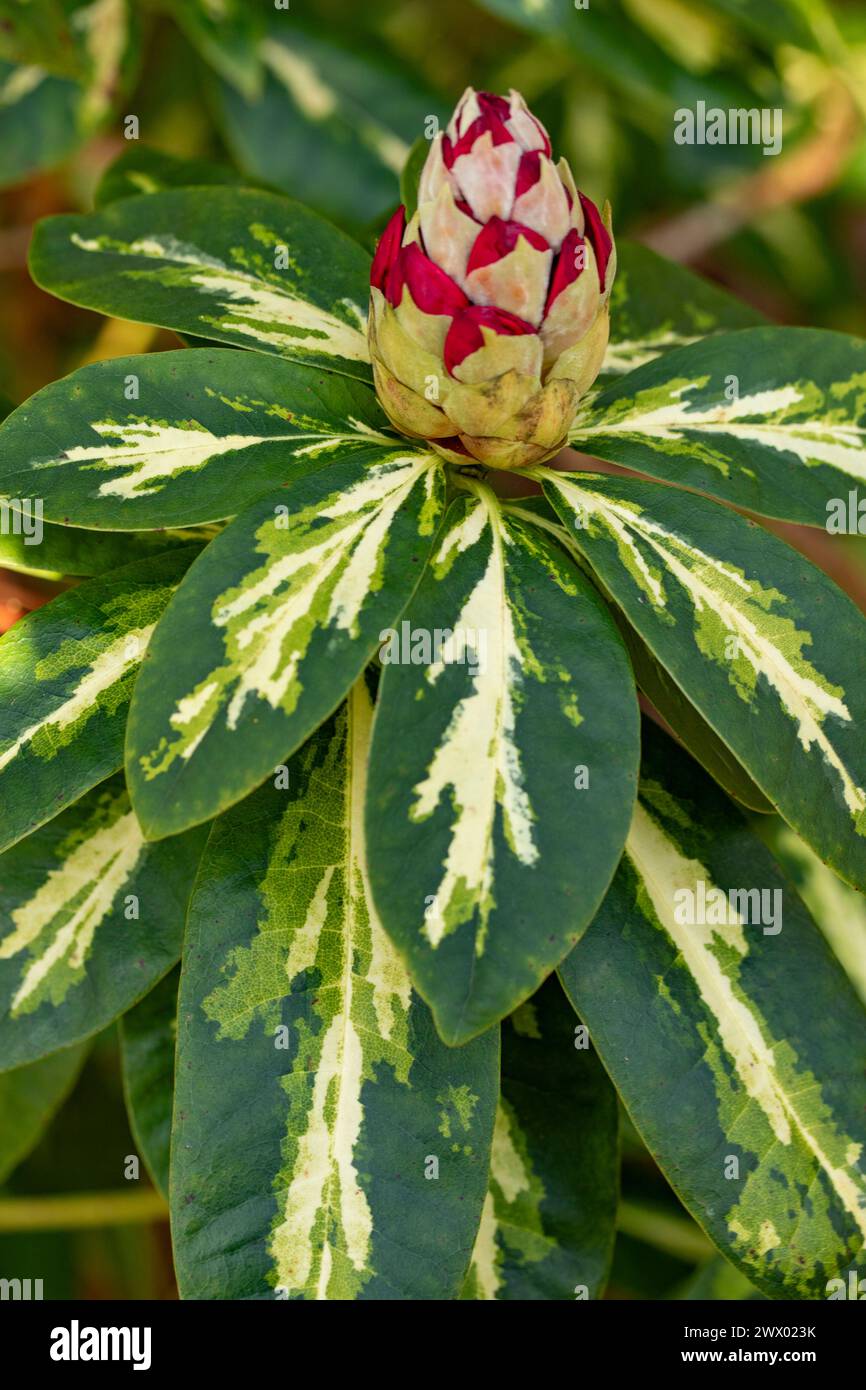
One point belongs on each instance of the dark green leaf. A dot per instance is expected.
(148, 1034)
(549, 1220)
(177, 438)
(367, 1168)
(503, 766)
(731, 1033)
(272, 627)
(237, 265)
(764, 645)
(66, 677)
(90, 918)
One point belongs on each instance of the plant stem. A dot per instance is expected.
(80, 1210)
(674, 1234)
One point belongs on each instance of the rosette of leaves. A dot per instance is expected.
(356, 739)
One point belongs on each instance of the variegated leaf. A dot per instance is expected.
(657, 305)
(250, 268)
(840, 911)
(298, 1024)
(29, 1098)
(772, 419)
(90, 918)
(66, 677)
(769, 651)
(48, 107)
(38, 124)
(272, 626)
(179, 438)
(689, 726)
(679, 714)
(141, 169)
(731, 1033)
(346, 117)
(148, 1034)
(70, 552)
(226, 33)
(549, 1219)
(503, 766)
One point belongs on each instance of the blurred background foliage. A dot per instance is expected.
(323, 99)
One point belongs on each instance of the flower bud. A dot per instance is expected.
(489, 309)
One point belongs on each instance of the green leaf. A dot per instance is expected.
(773, 21)
(657, 305)
(839, 911)
(678, 713)
(71, 552)
(212, 265)
(40, 34)
(226, 34)
(148, 1034)
(549, 1219)
(90, 918)
(38, 120)
(714, 417)
(271, 628)
(298, 1025)
(205, 432)
(689, 726)
(66, 676)
(141, 169)
(611, 47)
(764, 645)
(476, 779)
(44, 114)
(736, 1043)
(410, 175)
(346, 119)
(29, 1097)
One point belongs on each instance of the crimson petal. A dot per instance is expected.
(569, 264)
(388, 249)
(465, 337)
(497, 238)
(598, 236)
(432, 290)
(528, 172)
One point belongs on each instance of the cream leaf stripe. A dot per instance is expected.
(248, 301)
(664, 869)
(722, 591)
(478, 757)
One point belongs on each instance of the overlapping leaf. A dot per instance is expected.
(769, 651)
(66, 677)
(75, 553)
(657, 306)
(148, 1034)
(272, 626)
(72, 62)
(839, 910)
(731, 1033)
(549, 1218)
(227, 35)
(503, 766)
(141, 169)
(298, 1024)
(679, 713)
(29, 1097)
(90, 918)
(235, 265)
(713, 416)
(175, 438)
(346, 118)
